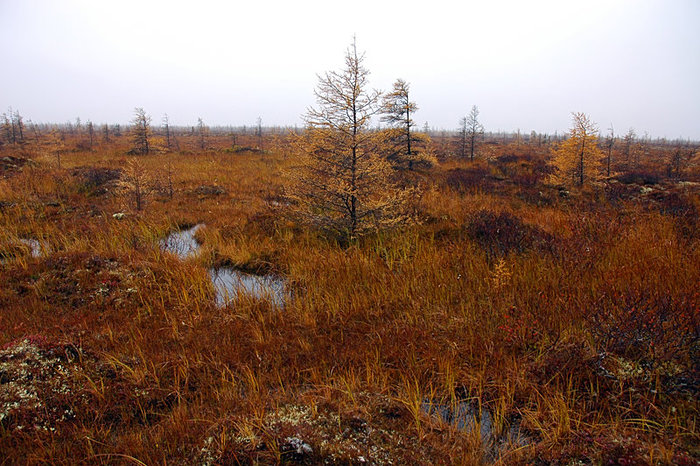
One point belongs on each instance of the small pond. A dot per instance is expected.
(465, 416)
(182, 243)
(228, 283)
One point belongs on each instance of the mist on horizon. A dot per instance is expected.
(526, 66)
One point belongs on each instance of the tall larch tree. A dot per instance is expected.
(578, 158)
(342, 183)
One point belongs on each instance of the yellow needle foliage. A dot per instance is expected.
(342, 183)
(578, 158)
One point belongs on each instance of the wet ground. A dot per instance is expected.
(229, 283)
(467, 417)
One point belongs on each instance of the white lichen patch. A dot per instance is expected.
(207, 454)
(303, 433)
(29, 376)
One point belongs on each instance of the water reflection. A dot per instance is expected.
(182, 243)
(230, 284)
(466, 416)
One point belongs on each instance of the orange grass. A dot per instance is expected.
(589, 344)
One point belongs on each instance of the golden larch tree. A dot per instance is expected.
(135, 181)
(578, 158)
(342, 183)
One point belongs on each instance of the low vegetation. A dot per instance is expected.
(563, 320)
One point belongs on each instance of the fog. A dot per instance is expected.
(527, 65)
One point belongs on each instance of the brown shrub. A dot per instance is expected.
(685, 214)
(639, 177)
(502, 233)
(468, 179)
(648, 327)
(94, 181)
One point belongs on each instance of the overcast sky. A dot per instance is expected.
(526, 64)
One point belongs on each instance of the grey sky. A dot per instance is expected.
(526, 64)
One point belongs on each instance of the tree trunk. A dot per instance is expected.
(353, 168)
(583, 148)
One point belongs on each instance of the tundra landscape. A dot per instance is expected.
(357, 287)
(485, 311)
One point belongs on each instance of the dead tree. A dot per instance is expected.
(463, 137)
(91, 133)
(609, 143)
(258, 132)
(201, 131)
(474, 130)
(166, 127)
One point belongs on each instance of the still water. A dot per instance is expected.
(229, 283)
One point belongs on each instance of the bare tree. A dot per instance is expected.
(57, 146)
(105, 133)
(136, 181)
(629, 149)
(169, 172)
(8, 134)
(19, 125)
(176, 143)
(680, 158)
(463, 127)
(201, 133)
(258, 132)
(609, 144)
(35, 131)
(532, 140)
(140, 132)
(91, 133)
(642, 149)
(166, 127)
(474, 130)
(13, 127)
